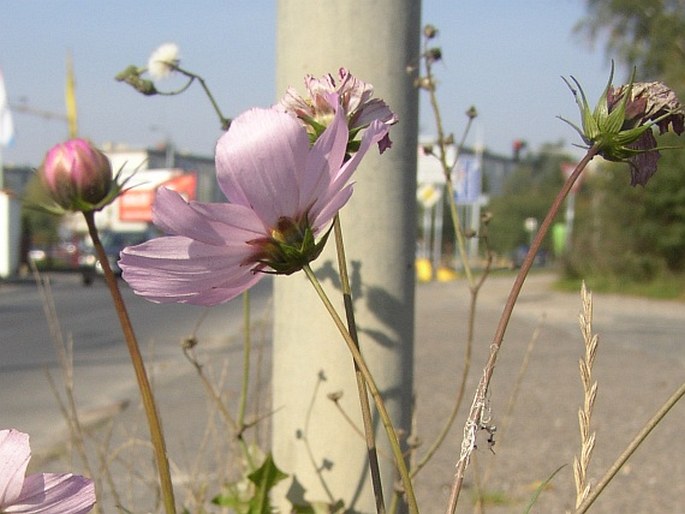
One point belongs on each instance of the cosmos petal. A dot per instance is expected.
(176, 268)
(258, 161)
(55, 493)
(324, 161)
(15, 454)
(209, 223)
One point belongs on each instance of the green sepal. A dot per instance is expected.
(288, 258)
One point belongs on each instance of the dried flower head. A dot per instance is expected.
(430, 31)
(356, 100)
(649, 101)
(620, 126)
(163, 61)
(434, 54)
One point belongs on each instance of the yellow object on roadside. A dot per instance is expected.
(424, 270)
(445, 274)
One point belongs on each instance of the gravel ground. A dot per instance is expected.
(640, 362)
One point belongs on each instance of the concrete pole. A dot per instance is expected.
(312, 442)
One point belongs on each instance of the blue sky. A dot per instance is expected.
(504, 57)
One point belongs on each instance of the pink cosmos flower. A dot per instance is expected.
(356, 99)
(44, 493)
(282, 192)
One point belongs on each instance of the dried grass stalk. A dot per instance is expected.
(587, 438)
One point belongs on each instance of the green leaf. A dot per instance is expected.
(264, 479)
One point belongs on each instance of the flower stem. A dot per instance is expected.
(630, 449)
(247, 345)
(154, 422)
(373, 389)
(225, 122)
(477, 407)
(361, 384)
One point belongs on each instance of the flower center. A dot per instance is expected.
(289, 248)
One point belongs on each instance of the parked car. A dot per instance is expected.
(113, 242)
(56, 256)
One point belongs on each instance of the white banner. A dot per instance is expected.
(6, 125)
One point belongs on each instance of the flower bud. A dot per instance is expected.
(434, 54)
(77, 176)
(429, 31)
(131, 76)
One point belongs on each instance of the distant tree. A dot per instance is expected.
(649, 34)
(528, 193)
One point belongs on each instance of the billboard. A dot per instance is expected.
(467, 179)
(136, 204)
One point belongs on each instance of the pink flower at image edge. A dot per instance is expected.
(44, 493)
(277, 186)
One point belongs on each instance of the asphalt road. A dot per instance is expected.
(641, 360)
(102, 371)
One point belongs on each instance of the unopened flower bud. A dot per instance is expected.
(414, 441)
(131, 76)
(424, 83)
(335, 396)
(434, 54)
(472, 112)
(77, 176)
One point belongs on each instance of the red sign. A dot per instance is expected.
(136, 204)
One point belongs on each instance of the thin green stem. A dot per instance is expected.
(361, 385)
(247, 346)
(373, 389)
(154, 423)
(630, 449)
(477, 407)
(225, 122)
(459, 231)
(179, 90)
